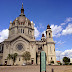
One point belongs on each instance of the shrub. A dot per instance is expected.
(52, 62)
(66, 60)
(70, 63)
(59, 63)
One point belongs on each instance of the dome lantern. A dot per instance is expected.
(22, 10)
(22, 18)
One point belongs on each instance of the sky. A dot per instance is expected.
(56, 13)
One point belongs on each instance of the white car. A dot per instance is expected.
(23, 64)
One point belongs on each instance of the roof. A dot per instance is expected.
(58, 61)
(22, 18)
(48, 26)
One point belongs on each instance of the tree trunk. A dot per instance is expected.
(13, 62)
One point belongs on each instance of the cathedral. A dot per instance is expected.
(21, 38)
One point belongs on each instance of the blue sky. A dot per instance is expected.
(57, 13)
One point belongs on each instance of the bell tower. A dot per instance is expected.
(51, 56)
(49, 37)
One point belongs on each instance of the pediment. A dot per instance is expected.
(13, 38)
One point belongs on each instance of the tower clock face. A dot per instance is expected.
(19, 46)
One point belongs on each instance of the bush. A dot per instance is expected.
(8, 65)
(66, 60)
(70, 63)
(66, 63)
(52, 62)
(1, 65)
(59, 63)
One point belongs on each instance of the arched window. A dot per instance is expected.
(50, 49)
(19, 59)
(21, 23)
(28, 31)
(18, 30)
(51, 58)
(49, 35)
(23, 30)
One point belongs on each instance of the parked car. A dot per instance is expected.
(23, 64)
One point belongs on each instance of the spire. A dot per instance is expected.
(22, 10)
(22, 5)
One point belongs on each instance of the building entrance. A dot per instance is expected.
(32, 61)
(5, 62)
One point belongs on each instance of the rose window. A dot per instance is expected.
(19, 46)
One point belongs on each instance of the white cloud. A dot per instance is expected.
(4, 34)
(44, 32)
(68, 30)
(58, 53)
(56, 30)
(57, 48)
(36, 33)
(55, 41)
(63, 23)
(69, 19)
(67, 53)
(60, 42)
(41, 26)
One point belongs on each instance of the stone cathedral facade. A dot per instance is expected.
(21, 38)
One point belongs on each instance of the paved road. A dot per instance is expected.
(34, 68)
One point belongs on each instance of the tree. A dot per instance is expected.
(26, 56)
(9, 57)
(13, 57)
(66, 60)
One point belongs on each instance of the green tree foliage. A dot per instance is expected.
(70, 63)
(59, 63)
(66, 60)
(52, 62)
(13, 57)
(9, 56)
(26, 56)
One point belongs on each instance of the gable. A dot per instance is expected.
(15, 37)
